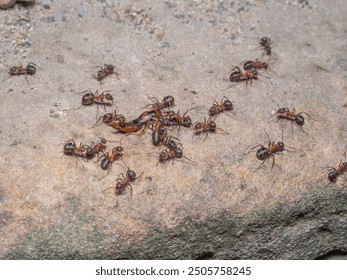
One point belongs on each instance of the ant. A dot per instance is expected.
(108, 159)
(168, 101)
(123, 182)
(265, 153)
(90, 98)
(169, 143)
(339, 170)
(236, 75)
(183, 120)
(265, 44)
(70, 148)
(256, 65)
(108, 69)
(30, 69)
(205, 127)
(112, 118)
(159, 132)
(96, 149)
(285, 113)
(166, 155)
(224, 105)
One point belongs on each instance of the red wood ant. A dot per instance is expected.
(224, 105)
(112, 118)
(168, 101)
(70, 148)
(285, 113)
(265, 44)
(159, 132)
(123, 182)
(339, 170)
(96, 149)
(265, 153)
(166, 155)
(256, 65)
(108, 159)
(169, 143)
(105, 71)
(205, 127)
(30, 69)
(237, 75)
(90, 98)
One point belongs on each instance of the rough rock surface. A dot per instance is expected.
(210, 204)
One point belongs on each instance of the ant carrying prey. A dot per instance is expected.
(266, 153)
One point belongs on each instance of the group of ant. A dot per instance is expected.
(159, 116)
(251, 72)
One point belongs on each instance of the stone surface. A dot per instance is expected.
(210, 204)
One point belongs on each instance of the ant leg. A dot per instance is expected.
(223, 130)
(131, 190)
(260, 165)
(205, 137)
(254, 148)
(273, 162)
(107, 189)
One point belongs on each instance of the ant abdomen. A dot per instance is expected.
(262, 153)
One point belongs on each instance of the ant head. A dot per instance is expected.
(213, 111)
(198, 126)
(264, 40)
(187, 121)
(265, 65)
(280, 146)
(178, 152)
(109, 68)
(168, 101)
(101, 75)
(131, 174)
(118, 149)
(299, 119)
(163, 155)
(332, 176)
(90, 152)
(103, 140)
